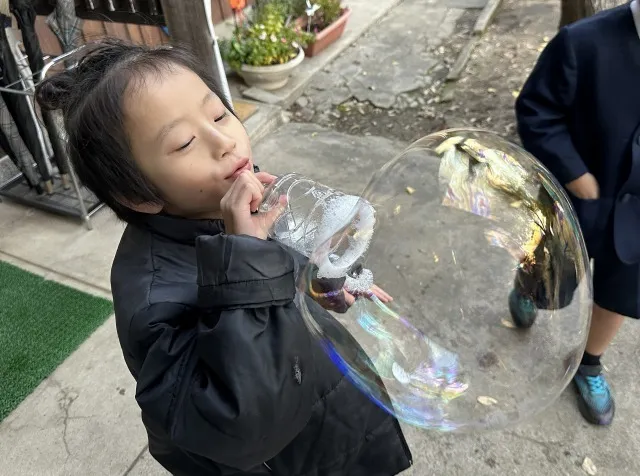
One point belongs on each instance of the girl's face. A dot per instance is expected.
(186, 143)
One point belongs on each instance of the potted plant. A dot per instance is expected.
(264, 50)
(325, 19)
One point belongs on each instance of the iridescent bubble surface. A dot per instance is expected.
(469, 234)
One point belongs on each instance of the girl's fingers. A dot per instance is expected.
(375, 291)
(349, 298)
(256, 199)
(265, 178)
(267, 219)
(253, 178)
(381, 294)
(246, 190)
(259, 187)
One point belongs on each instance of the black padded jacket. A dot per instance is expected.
(229, 380)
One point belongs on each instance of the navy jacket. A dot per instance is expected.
(579, 111)
(229, 380)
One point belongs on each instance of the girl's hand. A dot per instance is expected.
(375, 290)
(243, 198)
(341, 300)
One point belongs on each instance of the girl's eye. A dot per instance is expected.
(185, 145)
(221, 117)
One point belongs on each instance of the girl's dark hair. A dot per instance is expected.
(91, 98)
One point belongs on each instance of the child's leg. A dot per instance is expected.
(604, 327)
(615, 287)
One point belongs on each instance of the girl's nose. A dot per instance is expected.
(221, 143)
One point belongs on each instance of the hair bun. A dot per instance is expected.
(55, 92)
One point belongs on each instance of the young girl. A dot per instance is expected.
(229, 380)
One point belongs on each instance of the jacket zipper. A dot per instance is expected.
(268, 467)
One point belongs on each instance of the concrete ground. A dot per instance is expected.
(83, 419)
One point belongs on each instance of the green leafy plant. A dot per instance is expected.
(265, 40)
(329, 11)
(285, 8)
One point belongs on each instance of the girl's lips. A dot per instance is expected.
(242, 165)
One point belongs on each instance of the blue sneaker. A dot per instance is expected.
(594, 396)
(523, 310)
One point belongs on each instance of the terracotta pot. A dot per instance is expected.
(270, 77)
(327, 36)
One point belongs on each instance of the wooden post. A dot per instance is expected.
(189, 26)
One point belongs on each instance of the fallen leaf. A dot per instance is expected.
(396, 211)
(435, 258)
(516, 204)
(545, 39)
(487, 401)
(515, 94)
(411, 190)
(588, 466)
(491, 90)
(364, 73)
(313, 134)
(508, 323)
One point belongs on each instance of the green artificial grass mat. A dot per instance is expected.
(41, 323)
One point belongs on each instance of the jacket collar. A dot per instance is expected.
(178, 229)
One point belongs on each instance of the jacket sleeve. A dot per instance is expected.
(234, 383)
(543, 108)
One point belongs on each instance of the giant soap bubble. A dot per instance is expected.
(480, 249)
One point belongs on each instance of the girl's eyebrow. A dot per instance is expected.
(210, 95)
(168, 127)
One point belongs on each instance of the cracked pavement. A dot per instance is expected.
(391, 70)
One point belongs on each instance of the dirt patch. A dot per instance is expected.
(485, 94)
(500, 64)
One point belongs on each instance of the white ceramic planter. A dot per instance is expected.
(270, 77)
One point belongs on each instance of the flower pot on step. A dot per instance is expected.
(270, 78)
(326, 37)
